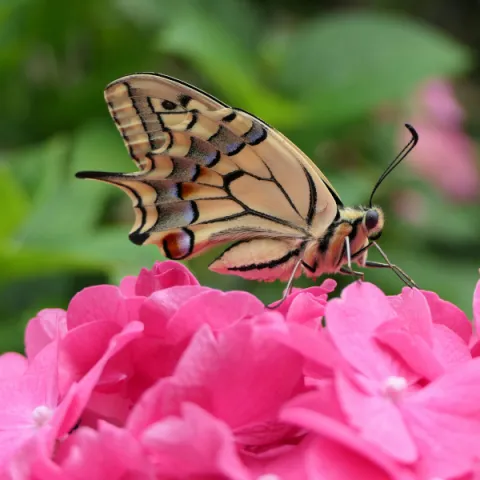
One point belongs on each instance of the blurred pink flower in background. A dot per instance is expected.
(445, 155)
(410, 206)
(162, 378)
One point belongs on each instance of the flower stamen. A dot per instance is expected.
(394, 386)
(41, 415)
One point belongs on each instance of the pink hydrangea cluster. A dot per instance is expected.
(162, 378)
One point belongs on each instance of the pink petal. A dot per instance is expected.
(307, 310)
(378, 420)
(12, 365)
(127, 286)
(197, 444)
(320, 292)
(336, 432)
(84, 388)
(248, 374)
(110, 453)
(48, 325)
(160, 307)
(284, 463)
(242, 378)
(449, 347)
(82, 348)
(151, 360)
(20, 396)
(352, 321)
(445, 313)
(217, 309)
(163, 275)
(475, 350)
(329, 460)
(31, 460)
(428, 348)
(413, 349)
(316, 347)
(444, 420)
(162, 399)
(476, 307)
(413, 313)
(323, 400)
(102, 303)
(27, 403)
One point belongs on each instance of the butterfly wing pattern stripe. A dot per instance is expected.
(211, 174)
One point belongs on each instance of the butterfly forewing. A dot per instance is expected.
(212, 174)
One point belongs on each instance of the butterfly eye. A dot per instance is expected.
(371, 219)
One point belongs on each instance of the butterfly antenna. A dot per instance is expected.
(398, 159)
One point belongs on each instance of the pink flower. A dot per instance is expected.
(163, 275)
(437, 104)
(32, 409)
(335, 451)
(445, 155)
(12, 365)
(28, 404)
(105, 452)
(431, 335)
(205, 441)
(410, 205)
(49, 325)
(379, 393)
(476, 318)
(162, 378)
(231, 377)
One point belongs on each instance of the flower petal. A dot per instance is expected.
(444, 420)
(196, 444)
(445, 313)
(48, 325)
(163, 275)
(378, 420)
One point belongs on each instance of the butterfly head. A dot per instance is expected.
(373, 221)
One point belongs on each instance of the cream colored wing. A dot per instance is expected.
(266, 259)
(211, 174)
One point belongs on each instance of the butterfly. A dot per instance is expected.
(210, 174)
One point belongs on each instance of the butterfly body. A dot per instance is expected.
(210, 174)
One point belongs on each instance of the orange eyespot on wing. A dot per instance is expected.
(211, 174)
(179, 244)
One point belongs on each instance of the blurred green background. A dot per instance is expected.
(339, 78)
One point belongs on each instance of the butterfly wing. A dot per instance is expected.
(212, 174)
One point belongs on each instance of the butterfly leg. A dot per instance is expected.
(289, 287)
(397, 270)
(345, 270)
(348, 252)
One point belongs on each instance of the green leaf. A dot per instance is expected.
(40, 167)
(13, 200)
(229, 62)
(67, 207)
(341, 66)
(109, 250)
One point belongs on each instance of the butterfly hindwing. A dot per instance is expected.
(264, 259)
(211, 174)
